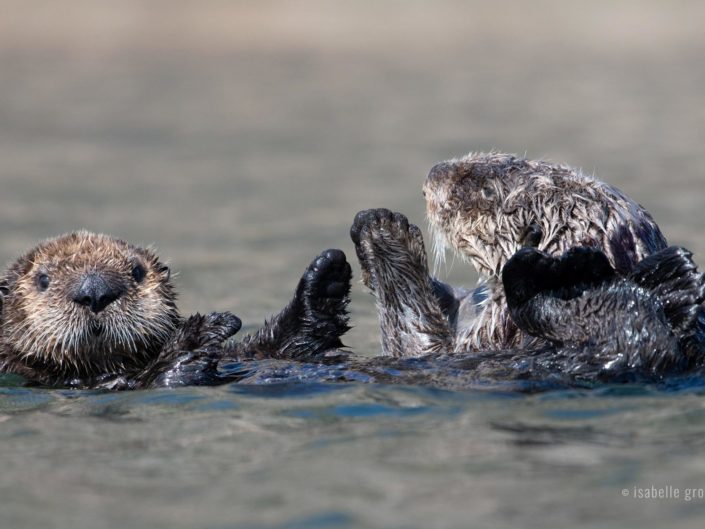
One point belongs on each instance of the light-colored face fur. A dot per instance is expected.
(481, 205)
(42, 321)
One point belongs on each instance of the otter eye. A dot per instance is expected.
(42, 282)
(487, 192)
(138, 272)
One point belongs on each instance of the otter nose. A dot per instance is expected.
(439, 173)
(97, 292)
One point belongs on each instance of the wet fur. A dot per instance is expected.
(481, 205)
(143, 341)
(645, 321)
(622, 301)
(590, 322)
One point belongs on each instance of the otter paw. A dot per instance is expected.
(531, 272)
(324, 287)
(210, 330)
(386, 243)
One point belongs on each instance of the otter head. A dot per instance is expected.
(85, 303)
(488, 206)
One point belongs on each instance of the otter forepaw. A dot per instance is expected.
(312, 324)
(210, 330)
(192, 355)
(386, 242)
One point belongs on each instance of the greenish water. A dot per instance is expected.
(242, 150)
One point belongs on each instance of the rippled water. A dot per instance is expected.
(241, 140)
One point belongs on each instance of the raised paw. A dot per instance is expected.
(313, 322)
(395, 267)
(323, 294)
(386, 243)
(326, 279)
(526, 274)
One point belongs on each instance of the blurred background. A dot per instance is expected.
(241, 137)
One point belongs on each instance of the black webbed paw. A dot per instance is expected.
(526, 274)
(322, 297)
(326, 282)
(531, 272)
(313, 322)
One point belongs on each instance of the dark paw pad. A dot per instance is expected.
(327, 277)
(530, 272)
(318, 315)
(526, 274)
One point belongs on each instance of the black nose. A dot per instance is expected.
(97, 292)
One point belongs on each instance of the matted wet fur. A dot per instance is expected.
(485, 207)
(88, 310)
(648, 321)
(585, 321)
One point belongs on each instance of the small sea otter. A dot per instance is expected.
(89, 310)
(487, 207)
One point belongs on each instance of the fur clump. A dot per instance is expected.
(487, 206)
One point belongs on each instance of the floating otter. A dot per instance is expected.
(88, 310)
(487, 207)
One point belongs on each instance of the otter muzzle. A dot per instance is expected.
(97, 292)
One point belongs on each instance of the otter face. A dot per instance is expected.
(466, 204)
(488, 206)
(87, 303)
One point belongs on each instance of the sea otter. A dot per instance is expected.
(89, 310)
(487, 207)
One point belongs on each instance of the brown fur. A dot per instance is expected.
(482, 204)
(86, 310)
(486, 207)
(46, 335)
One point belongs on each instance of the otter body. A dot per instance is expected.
(487, 207)
(88, 310)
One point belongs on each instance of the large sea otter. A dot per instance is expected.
(585, 268)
